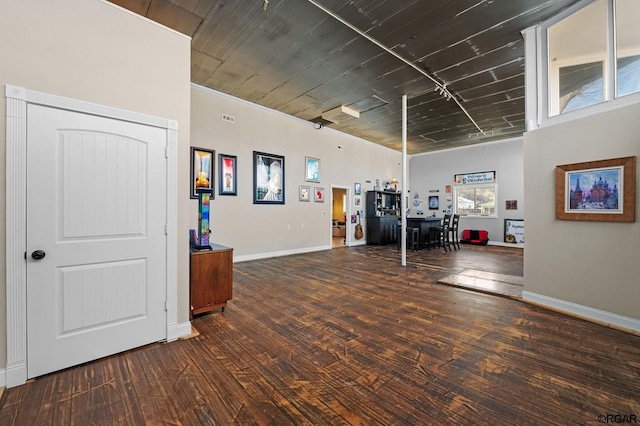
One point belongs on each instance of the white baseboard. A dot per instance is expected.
(176, 331)
(267, 255)
(358, 243)
(15, 375)
(608, 319)
(3, 378)
(501, 244)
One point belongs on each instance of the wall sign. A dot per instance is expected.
(514, 231)
(475, 178)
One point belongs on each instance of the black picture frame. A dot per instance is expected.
(202, 171)
(268, 178)
(227, 174)
(434, 202)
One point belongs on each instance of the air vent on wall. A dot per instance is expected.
(340, 114)
(229, 118)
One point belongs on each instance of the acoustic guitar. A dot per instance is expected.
(359, 234)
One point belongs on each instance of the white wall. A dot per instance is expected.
(96, 52)
(593, 265)
(433, 171)
(256, 231)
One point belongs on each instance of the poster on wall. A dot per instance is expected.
(475, 178)
(514, 231)
(434, 202)
(268, 178)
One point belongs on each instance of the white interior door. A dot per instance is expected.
(96, 209)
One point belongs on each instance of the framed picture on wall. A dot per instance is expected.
(201, 171)
(434, 202)
(312, 169)
(318, 194)
(227, 175)
(602, 190)
(357, 189)
(268, 178)
(304, 193)
(514, 231)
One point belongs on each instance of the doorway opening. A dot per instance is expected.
(338, 217)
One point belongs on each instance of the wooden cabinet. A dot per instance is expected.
(211, 279)
(382, 213)
(382, 230)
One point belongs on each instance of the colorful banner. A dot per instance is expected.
(474, 178)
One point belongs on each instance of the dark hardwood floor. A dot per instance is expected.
(348, 336)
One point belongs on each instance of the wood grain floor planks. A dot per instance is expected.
(487, 282)
(350, 337)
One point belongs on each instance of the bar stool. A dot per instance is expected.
(453, 229)
(441, 233)
(413, 238)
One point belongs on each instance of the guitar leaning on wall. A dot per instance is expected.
(359, 234)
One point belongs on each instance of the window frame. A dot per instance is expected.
(493, 186)
(538, 73)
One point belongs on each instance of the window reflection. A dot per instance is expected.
(628, 47)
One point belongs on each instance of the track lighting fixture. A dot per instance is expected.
(364, 34)
(265, 3)
(442, 91)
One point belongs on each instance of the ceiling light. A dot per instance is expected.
(265, 3)
(340, 114)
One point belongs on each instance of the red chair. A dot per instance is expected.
(474, 236)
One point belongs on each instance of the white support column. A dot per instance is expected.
(531, 70)
(404, 186)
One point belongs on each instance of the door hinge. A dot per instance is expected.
(166, 152)
(166, 309)
(166, 229)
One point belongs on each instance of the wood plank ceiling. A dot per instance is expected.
(296, 58)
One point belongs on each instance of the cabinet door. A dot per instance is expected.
(211, 278)
(393, 230)
(384, 231)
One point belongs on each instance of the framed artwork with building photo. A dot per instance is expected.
(602, 190)
(201, 171)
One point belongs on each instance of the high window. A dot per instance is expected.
(593, 55)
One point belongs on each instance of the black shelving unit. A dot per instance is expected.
(382, 213)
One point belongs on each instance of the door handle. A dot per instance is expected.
(38, 254)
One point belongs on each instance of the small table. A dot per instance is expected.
(211, 279)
